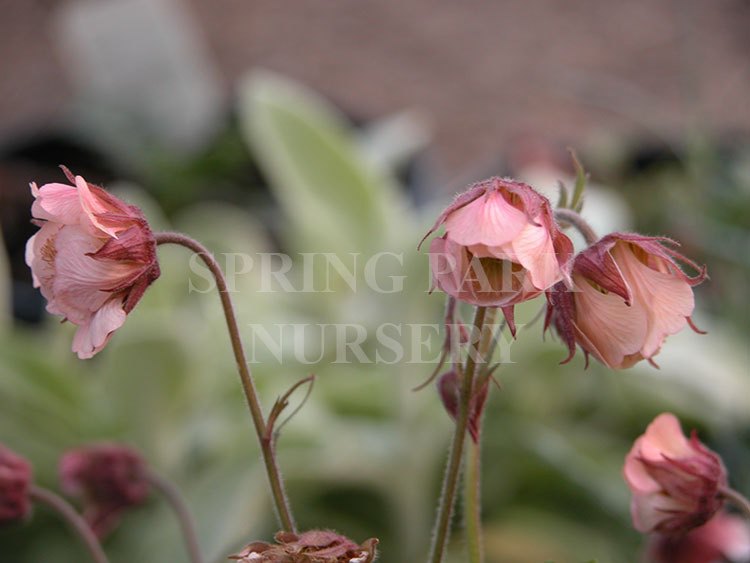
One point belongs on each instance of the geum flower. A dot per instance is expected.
(725, 537)
(15, 486)
(501, 246)
(93, 258)
(313, 546)
(108, 478)
(628, 295)
(676, 483)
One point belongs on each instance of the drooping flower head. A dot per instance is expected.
(501, 246)
(675, 482)
(629, 294)
(93, 258)
(108, 478)
(15, 483)
(313, 546)
(724, 537)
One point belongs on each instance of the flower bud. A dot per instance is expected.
(93, 258)
(724, 537)
(15, 483)
(675, 482)
(108, 478)
(449, 388)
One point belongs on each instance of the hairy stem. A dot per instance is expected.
(450, 482)
(473, 502)
(570, 217)
(266, 444)
(737, 499)
(177, 503)
(73, 519)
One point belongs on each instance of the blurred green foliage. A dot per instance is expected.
(365, 454)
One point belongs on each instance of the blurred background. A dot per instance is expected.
(340, 126)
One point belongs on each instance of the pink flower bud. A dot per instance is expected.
(675, 482)
(501, 245)
(723, 538)
(629, 294)
(15, 482)
(109, 479)
(93, 258)
(314, 546)
(449, 388)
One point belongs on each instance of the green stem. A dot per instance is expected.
(73, 519)
(570, 217)
(178, 505)
(473, 502)
(737, 499)
(450, 481)
(266, 443)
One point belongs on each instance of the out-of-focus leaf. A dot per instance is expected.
(335, 201)
(5, 289)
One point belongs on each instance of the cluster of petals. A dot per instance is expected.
(93, 258)
(629, 293)
(675, 482)
(725, 537)
(108, 478)
(501, 246)
(313, 546)
(15, 484)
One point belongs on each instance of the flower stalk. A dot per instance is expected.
(570, 217)
(281, 502)
(737, 499)
(175, 500)
(73, 519)
(475, 356)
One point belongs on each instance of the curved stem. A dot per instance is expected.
(73, 519)
(574, 219)
(737, 499)
(473, 501)
(177, 502)
(450, 482)
(266, 443)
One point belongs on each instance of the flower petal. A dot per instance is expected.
(94, 207)
(91, 337)
(605, 323)
(488, 220)
(534, 250)
(56, 202)
(666, 298)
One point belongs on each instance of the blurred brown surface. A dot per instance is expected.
(483, 71)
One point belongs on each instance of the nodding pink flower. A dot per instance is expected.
(15, 484)
(93, 258)
(629, 294)
(501, 246)
(313, 546)
(108, 478)
(723, 538)
(676, 483)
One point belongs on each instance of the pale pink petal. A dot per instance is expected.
(534, 251)
(81, 284)
(731, 534)
(613, 329)
(635, 473)
(648, 511)
(664, 437)
(666, 298)
(489, 220)
(92, 336)
(31, 257)
(40, 256)
(93, 207)
(58, 203)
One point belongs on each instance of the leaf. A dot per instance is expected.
(334, 199)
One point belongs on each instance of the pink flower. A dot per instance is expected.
(675, 482)
(93, 258)
(629, 294)
(501, 246)
(109, 478)
(313, 546)
(15, 483)
(723, 538)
